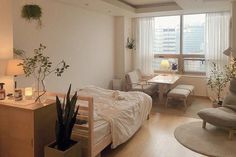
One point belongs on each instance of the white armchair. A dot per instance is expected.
(135, 81)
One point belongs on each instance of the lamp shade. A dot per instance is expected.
(228, 51)
(13, 68)
(165, 64)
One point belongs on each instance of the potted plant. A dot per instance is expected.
(67, 112)
(39, 66)
(130, 43)
(32, 12)
(231, 72)
(217, 81)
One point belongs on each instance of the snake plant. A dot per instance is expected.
(66, 118)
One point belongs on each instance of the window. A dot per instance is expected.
(181, 40)
(193, 34)
(167, 35)
(194, 65)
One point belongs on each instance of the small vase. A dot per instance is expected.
(39, 91)
(40, 96)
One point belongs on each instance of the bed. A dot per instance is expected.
(113, 117)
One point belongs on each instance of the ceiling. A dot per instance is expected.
(145, 2)
(138, 8)
(152, 7)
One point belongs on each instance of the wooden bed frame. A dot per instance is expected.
(86, 136)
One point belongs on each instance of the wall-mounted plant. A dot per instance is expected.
(130, 43)
(32, 12)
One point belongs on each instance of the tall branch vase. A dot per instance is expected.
(40, 91)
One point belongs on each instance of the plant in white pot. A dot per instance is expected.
(217, 81)
(67, 112)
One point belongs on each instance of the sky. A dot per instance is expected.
(174, 21)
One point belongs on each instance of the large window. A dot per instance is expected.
(167, 35)
(181, 40)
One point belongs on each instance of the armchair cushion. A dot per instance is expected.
(179, 93)
(188, 87)
(148, 89)
(230, 101)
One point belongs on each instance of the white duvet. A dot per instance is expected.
(125, 111)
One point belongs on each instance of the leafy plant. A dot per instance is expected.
(40, 66)
(231, 69)
(130, 43)
(32, 12)
(174, 66)
(217, 81)
(66, 118)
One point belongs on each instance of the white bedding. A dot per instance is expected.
(125, 111)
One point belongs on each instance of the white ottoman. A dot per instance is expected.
(178, 93)
(188, 87)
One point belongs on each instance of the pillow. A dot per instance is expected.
(133, 77)
(232, 107)
(232, 86)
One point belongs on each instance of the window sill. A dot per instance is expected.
(182, 75)
(193, 76)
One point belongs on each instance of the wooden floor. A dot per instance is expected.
(155, 139)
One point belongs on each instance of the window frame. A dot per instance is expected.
(181, 57)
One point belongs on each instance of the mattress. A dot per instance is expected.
(101, 129)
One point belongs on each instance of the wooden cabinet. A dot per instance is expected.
(26, 127)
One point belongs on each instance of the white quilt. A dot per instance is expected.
(125, 111)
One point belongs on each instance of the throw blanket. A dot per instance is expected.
(125, 111)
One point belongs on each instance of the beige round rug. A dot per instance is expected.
(211, 141)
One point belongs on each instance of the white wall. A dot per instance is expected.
(199, 82)
(83, 38)
(128, 52)
(119, 47)
(6, 42)
(123, 56)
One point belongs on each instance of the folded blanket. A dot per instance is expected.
(124, 116)
(117, 96)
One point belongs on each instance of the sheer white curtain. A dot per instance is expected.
(217, 38)
(144, 37)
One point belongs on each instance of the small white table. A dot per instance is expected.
(164, 80)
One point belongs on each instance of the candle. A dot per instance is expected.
(28, 92)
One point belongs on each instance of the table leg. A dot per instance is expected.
(161, 92)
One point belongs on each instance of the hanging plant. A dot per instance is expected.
(32, 12)
(130, 43)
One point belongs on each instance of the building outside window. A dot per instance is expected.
(181, 40)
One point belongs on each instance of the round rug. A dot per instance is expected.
(211, 141)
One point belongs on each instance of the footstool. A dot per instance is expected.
(188, 87)
(178, 93)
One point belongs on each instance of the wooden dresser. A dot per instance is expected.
(26, 127)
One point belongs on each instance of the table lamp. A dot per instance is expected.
(228, 51)
(165, 65)
(13, 68)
